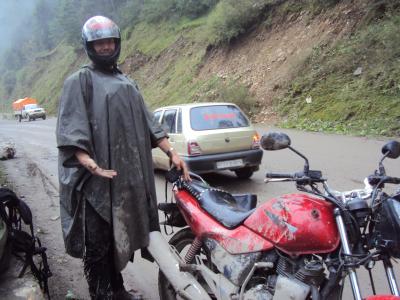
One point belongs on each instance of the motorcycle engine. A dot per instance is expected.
(310, 272)
(294, 279)
(234, 267)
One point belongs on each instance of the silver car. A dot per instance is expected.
(210, 137)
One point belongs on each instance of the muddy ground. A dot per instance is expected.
(32, 186)
(344, 160)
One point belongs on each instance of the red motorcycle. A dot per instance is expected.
(297, 246)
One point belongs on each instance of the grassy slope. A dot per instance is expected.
(341, 101)
(175, 50)
(43, 77)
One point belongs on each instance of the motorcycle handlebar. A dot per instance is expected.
(280, 175)
(313, 175)
(375, 179)
(173, 174)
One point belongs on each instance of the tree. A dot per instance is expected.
(9, 82)
(67, 24)
(128, 12)
(43, 15)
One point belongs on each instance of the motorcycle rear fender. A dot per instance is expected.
(173, 216)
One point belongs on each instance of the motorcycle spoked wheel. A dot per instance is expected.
(182, 241)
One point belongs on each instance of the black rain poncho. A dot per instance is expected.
(103, 114)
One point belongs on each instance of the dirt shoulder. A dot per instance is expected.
(31, 185)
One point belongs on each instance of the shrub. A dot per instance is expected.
(233, 17)
(158, 10)
(193, 8)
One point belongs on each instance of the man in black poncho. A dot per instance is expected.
(105, 135)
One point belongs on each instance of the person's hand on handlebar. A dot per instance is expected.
(180, 165)
(176, 160)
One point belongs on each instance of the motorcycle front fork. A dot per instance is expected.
(352, 273)
(390, 277)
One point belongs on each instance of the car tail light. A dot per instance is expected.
(256, 141)
(193, 148)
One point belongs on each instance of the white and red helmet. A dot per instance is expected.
(97, 28)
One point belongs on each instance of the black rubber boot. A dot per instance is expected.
(98, 262)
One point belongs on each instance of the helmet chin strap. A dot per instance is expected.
(106, 62)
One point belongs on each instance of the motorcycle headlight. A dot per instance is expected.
(387, 227)
(396, 208)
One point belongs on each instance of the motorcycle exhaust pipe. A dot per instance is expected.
(185, 284)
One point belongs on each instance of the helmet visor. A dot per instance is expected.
(98, 28)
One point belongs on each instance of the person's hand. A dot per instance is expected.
(102, 172)
(88, 162)
(180, 165)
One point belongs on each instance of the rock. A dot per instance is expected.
(30, 291)
(281, 58)
(7, 152)
(70, 295)
(358, 71)
(309, 100)
(13, 287)
(222, 75)
(40, 231)
(55, 218)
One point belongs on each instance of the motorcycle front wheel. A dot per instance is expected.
(181, 241)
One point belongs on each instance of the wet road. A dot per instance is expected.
(344, 160)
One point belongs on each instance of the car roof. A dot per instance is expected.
(197, 104)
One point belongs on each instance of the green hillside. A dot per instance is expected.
(354, 85)
(349, 85)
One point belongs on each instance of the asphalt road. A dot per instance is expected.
(344, 160)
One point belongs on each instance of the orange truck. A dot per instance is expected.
(28, 108)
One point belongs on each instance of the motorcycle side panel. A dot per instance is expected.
(236, 241)
(296, 224)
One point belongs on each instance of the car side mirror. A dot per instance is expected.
(275, 141)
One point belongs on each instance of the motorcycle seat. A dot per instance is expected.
(229, 210)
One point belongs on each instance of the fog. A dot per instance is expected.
(12, 13)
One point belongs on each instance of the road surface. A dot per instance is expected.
(344, 160)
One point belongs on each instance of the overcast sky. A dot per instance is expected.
(12, 12)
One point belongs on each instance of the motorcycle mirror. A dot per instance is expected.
(275, 141)
(391, 149)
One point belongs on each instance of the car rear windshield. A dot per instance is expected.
(217, 117)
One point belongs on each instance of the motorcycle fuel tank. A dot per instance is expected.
(296, 224)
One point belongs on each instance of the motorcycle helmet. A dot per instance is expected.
(97, 28)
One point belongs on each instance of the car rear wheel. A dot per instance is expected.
(44, 117)
(244, 173)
